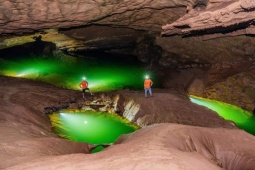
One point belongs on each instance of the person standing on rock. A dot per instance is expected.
(147, 86)
(84, 86)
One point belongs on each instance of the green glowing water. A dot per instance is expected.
(102, 75)
(243, 119)
(91, 127)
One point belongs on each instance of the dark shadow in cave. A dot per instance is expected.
(105, 56)
(200, 5)
(220, 30)
(37, 48)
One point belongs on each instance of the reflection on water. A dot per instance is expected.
(243, 119)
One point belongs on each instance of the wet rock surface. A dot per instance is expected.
(176, 133)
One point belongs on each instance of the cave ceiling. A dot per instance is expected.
(211, 18)
(104, 24)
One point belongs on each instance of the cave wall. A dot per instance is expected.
(192, 64)
(238, 90)
(219, 69)
(193, 45)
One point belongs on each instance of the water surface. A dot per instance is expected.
(102, 74)
(242, 118)
(90, 127)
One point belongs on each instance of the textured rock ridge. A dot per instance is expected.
(26, 16)
(224, 17)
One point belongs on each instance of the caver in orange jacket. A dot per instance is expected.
(84, 84)
(147, 83)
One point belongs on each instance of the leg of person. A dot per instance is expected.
(83, 93)
(145, 91)
(150, 91)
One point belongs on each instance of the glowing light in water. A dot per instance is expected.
(27, 73)
(243, 119)
(91, 127)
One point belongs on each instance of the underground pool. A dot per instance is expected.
(102, 74)
(92, 127)
(243, 119)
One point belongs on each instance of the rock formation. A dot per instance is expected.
(216, 18)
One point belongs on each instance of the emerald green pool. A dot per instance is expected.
(90, 127)
(242, 118)
(102, 74)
